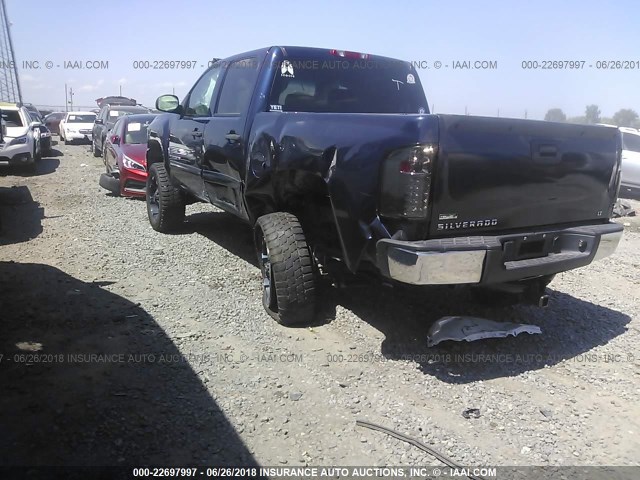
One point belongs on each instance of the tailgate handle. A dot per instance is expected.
(548, 151)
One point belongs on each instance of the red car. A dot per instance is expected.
(125, 156)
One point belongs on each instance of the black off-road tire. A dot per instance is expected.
(165, 202)
(286, 263)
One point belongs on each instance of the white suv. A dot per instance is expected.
(77, 126)
(630, 177)
(20, 138)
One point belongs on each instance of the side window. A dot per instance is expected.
(117, 130)
(237, 88)
(199, 103)
(120, 124)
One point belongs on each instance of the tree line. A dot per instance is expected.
(624, 117)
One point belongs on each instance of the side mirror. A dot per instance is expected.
(115, 139)
(99, 121)
(168, 103)
(34, 124)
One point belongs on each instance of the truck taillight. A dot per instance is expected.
(406, 182)
(348, 54)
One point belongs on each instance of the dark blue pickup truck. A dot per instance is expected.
(334, 160)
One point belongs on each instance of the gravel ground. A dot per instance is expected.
(207, 377)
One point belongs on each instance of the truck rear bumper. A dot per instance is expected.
(496, 259)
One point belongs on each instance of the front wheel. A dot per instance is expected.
(288, 279)
(165, 202)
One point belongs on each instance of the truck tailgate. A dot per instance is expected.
(499, 174)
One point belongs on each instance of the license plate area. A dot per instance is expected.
(527, 246)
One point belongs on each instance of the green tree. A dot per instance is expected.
(625, 118)
(580, 120)
(555, 115)
(592, 114)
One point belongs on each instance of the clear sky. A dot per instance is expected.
(508, 32)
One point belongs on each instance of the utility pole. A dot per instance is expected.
(525, 114)
(120, 90)
(71, 98)
(66, 99)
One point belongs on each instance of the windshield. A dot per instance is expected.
(12, 118)
(340, 85)
(631, 142)
(85, 118)
(136, 133)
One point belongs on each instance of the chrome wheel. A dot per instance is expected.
(268, 289)
(153, 200)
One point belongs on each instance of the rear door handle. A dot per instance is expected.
(196, 133)
(232, 136)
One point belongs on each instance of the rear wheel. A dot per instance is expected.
(288, 279)
(96, 151)
(37, 151)
(165, 202)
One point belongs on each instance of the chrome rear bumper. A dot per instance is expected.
(496, 259)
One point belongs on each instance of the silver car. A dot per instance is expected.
(630, 182)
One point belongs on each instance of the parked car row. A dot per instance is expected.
(106, 119)
(119, 135)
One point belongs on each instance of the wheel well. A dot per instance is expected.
(154, 153)
(305, 195)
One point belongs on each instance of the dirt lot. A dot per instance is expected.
(123, 346)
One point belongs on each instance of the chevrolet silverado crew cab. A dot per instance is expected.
(333, 158)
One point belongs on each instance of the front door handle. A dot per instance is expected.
(232, 136)
(196, 133)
